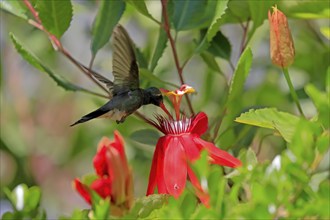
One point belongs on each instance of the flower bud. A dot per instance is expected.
(113, 177)
(281, 44)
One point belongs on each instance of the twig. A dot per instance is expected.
(245, 30)
(58, 45)
(174, 51)
(85, 71)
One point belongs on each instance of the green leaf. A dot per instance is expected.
(310, 10)
(101, 208)
(321, 102)
(236, 12)
(77, 214)
(283, 122)
(141, 7)
(14, 7)
(322, 142)
(142, 61)
(215, 24)
(305, 133)
(34, 61)
(326, 32)
(10, 216)
(24, 199)
(105, 21)
(318, 178)
(259, 10)
(327, 80)
(213, 27)
(201, 166)
(190, 14)
(240, 75)
(88, 179)
(144, 206)
(147, 75)
(210, 61)
(159, 50)
(33, 199)
(10, 196)
(188, 205)
(55, 15)
(146, 136)
(251, 158)
(217, 187)
(234, 101)
(220, 46)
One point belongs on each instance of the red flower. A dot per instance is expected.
(114, 178)
(180, 146)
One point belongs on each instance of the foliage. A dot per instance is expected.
(218, 47)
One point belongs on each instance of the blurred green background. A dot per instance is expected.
(39, 148)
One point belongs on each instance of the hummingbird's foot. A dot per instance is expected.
(120, 121)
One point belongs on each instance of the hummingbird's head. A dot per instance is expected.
(155, 96)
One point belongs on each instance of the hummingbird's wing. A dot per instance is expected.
(101, 78)
(104, 80)
(124, 66)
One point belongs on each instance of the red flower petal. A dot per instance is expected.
(103, 187)
(199, 124)
(219, 157)
(191, 149)
(175, 167)
(118, 144)
(156, 176)
(202, 195)
(161, 185)
(100, 162)
(118, 172)
(82, 190)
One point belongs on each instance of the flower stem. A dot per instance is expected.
(292, 90)
(174, 51)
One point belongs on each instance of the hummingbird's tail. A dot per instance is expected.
(95, 114)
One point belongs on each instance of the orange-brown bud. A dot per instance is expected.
(281, 43)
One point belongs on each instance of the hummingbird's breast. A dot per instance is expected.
(115, 114)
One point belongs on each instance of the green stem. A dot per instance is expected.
(292, 90)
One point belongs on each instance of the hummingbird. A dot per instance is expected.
(125, 94)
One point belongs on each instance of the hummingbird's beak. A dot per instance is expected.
(163, 107)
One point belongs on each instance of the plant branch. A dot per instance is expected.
(59, 47)
(95, 93)
(87, 72)
(167, 29)
(245, 30)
